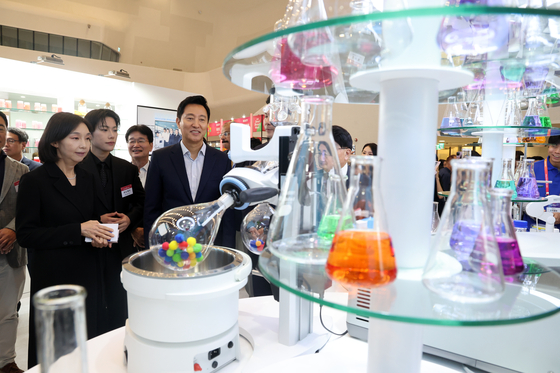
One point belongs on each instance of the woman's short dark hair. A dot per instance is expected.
(196, 100)
(100, 115)
(3, 116)
(143, 129)
(372, 146)
(58, 128)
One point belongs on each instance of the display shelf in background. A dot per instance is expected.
(519, 131)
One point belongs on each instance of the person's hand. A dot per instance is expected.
(116, 218)
(6, 249)
(94, 230)
(138, 237)
(100, 242)
(557, 217)
(7, 239)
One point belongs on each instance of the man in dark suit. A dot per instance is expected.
(189, 172)
(13, 258)
(15, 145)
(122, 197)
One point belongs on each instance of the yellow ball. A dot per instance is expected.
(173, 245)
(190, 250)
(191, 241)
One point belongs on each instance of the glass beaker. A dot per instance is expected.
(60, 320)
(254, 228)
(542, 110)
(435, 218)
(180, 237)
(451, 117)
(512, 262)
(532, 115)
(362, 253)
(506, 177)
(464, 263)
(527, 184)
(293, 233)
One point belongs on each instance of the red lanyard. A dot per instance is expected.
(546, 176)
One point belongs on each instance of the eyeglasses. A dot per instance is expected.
(225, 134)
(139, 141)
(11, 141)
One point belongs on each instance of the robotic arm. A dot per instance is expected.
(537, 211)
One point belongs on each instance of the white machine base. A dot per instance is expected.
(145, 356)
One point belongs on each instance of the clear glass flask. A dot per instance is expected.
(512, 110)
(527, 184)
(60, 321)
(506, 177)
(254, 228)
(180, 237)
(294, 229)
(532, 115)
(435, 218)
(542, 110)
(518, 170)
(464, 263)
(512, 261)
(451, 116)
(362, 253)
(462, 105)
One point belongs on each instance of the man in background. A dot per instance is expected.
(16, 142)
(140, 141)
(445, 174)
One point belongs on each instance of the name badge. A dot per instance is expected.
(126, 190)
(16, 185)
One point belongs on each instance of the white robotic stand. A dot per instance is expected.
(537, 211)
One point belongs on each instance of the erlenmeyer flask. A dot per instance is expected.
(518, 170)
(435, 218)
(254, 228)
(462, 105)
(512, 110)
(329, 221)
(451, 117)
(472, 35)
(293, 233)
(283, 110)
(534, 79)
(527, 184)
(180, 237)
(512, 262)
(532, 115)
(506, 178)
(464, 263)
(362, 253)
(542, 110)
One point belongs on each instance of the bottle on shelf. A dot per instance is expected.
(512, 262)
(527, 184)
(542, 110)
(462, 106)
(451, 116)
(532, 116)
(506, 177)
(362, 253)
(464, 263)
(512, 110)
(435, 217)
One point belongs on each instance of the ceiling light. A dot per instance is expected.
(53, 58)
(22, 96)
(119, 74)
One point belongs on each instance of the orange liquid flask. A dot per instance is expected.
(362, 254)
(362, 258)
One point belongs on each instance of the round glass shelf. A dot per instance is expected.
(532, 267)
(27, 111)
(516, 144)
(323, 57)
(519, 131)
(408, 300)
(525, 200)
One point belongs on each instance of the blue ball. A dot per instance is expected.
(198, 255)
(253, 243)
(179, 238)
(184, 255)
(161, 253)
(168, 259)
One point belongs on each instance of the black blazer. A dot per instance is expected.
(124, 174)
(48, 216)
(167, 187)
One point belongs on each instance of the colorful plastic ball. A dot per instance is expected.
(177, 257)
(183, 245)
(197, 248)
(168, 259)
(258, 243)
(200, 259)
(161, 252)
(173, 245)
(165, 245)
(198, 255)
(184, 255)
(253, 243)
(190, 250)
(170, 252)
(191, 241)
(180, 263)
(179, 237)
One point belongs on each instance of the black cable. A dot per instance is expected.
(323, 324)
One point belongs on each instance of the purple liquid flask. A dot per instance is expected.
(451, 118)
(527, 183)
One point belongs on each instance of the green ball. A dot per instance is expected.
(197, 248)
(177, 257)
(200, 259)
(170, 252)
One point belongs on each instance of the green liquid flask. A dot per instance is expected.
(506, 180)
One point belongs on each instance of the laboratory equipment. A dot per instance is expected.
(435, 218)
(60, 321)
(506, 177)
(472, 35)
(254, 228)
(520, 225)
(518, 169)
(542, 110)
(539, 211)
(451, 116)
(532, 115)
(527, 184)
(512, 262)
(312, 173)
(512, 110)
(283, 109)
(362, 252)
(464, 263)
(181, 321)
(462, 105)
(534, 79)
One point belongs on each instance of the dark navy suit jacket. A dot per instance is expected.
(29, 163)
(167, 187)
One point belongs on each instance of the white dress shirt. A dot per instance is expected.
(193, 167)
(143, 172)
